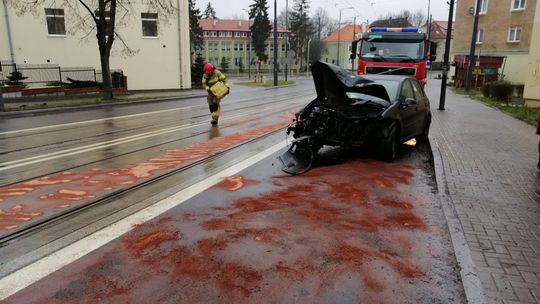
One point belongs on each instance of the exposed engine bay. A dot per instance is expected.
(349, 111)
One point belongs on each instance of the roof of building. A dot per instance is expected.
(438, 29)
(348, 33)
(238, 25)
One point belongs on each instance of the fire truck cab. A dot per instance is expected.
(392, 51)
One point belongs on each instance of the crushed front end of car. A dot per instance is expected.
(349, 111)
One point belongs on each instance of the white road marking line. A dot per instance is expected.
(92, 121)
(4, 166)
(106, 119)
(30, 274)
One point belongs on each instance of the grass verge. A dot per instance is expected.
(515, 109)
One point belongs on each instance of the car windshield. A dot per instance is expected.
(366, 97)
(391, 87)
(392, 51)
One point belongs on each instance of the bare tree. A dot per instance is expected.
(402, 19)
(419, 18)
(323, 24)
(102, 17)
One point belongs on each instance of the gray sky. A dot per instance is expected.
(366, 10)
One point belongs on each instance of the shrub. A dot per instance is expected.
(196, 70)
(501, 90)
(15, 78)
(55, 84)
(83, 84)
(224, 65)
(486, 89)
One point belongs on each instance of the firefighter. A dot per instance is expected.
(211, 77)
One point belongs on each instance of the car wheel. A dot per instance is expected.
(425, 133)
(390, 146)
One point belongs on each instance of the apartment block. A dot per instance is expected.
(231, 39)
(505, 29)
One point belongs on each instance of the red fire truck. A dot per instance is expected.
(393, 51)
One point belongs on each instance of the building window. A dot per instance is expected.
(56, 24)
(480, 36)
(149, 24)
(514, 34)
(483, 7)
(518, 5)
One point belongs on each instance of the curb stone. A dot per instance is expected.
(472, 285)
(23, 113)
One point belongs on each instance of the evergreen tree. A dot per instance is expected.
(209, 12)
(224, 65)
(301, 29)
(197, 69)
(195, 30)
(15, 78)
(260, 29)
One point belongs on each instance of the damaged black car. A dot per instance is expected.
(377, 112)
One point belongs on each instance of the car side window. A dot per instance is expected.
(406, 91)
(418, 92)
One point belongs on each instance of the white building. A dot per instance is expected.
(53, 35)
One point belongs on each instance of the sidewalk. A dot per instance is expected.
(486, 171)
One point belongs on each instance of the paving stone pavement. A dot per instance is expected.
(490, 175)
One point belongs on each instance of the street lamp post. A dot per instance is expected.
(249, 46)
(446, 56)
(339, 32)
(275, 45)
(474, 37)
(307, 59)
(286, 38)
(353, 38)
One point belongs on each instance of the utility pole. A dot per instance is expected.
(275, 45)
(286, 38)
(353, 39)
(473, 47)
(446, 56)
(2, 108)
(338, 36)
(339, 32)
(249, 45)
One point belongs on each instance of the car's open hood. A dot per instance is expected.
(332, 83)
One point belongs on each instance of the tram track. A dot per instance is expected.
(47, 221)
(21, 163)
(79, 144)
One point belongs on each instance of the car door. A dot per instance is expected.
(407, 112)
(422, 107)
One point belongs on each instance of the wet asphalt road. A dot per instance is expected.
(50, 169)
(352, 230)
(115, 136)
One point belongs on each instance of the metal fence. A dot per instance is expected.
(50, 74)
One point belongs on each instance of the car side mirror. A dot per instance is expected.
(408, 102)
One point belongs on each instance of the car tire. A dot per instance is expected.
(390, 146)
(425, 132)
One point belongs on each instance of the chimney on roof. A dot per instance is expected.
(239, 23)
(215, 22)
